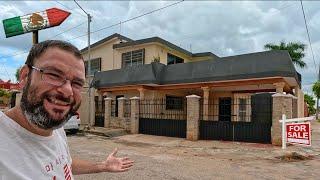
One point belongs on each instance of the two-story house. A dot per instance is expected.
(154, 68)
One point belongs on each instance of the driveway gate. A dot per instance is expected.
(163, 117)
(251, 120)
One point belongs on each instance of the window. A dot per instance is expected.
(95, 65)
(174, 103)
(133, 58)
(242, 109)
(172, 59)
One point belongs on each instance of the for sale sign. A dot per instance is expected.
(299, 133)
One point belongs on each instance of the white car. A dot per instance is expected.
(72, 126)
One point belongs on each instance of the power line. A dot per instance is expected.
(69, 8)
(67, 30)
(122, 22)
(306, 25)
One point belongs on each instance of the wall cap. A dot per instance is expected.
(135, 98)
(108, 98)
(122, 98)
(281, 95)
(193, 96)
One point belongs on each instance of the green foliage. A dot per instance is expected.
(295, 49)
(4, 93)
(311, 103)
(316, 89)
(156, 59)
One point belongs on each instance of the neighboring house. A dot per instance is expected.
(154, 68)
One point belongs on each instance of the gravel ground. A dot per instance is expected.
(174, 158)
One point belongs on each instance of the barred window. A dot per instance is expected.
(133, 58)
(95, 65)
(174, 103)
(242, 109)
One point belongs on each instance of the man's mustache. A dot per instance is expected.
(61, 98)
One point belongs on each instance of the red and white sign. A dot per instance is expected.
(299, 133)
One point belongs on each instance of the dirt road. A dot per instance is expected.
(174, 158)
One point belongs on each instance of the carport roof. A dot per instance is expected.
(246, 66)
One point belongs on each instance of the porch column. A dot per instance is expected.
(193, 106)
(134, 115)
(279, 87)
(107, 112)
(142, 92)
(92, 107)
(300, 102)
(206, 91)
(282, 104)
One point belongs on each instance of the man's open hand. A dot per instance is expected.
(115, 164)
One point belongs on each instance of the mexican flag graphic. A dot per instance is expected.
(34, 21)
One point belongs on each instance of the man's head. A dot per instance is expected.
(52, 81)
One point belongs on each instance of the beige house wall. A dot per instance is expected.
(106, 52)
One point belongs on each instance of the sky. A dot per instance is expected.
(225, 28)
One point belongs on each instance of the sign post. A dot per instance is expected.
(297, 131)
(284, 143)
(34, 22)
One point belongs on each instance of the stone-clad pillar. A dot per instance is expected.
(193, 116)
(107, 112)
(206, 91)
(134, 115)
(282, 104)
(121, 107)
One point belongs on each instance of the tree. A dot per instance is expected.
(295, 49)
(18, 74)
(316, 92)
(311, 102)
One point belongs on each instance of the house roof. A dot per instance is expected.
(204, 54)
(164, 42)
(115, 35)
(254, 65)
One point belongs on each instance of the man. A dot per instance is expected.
(32, 143)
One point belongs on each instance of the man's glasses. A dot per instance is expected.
(55, 78)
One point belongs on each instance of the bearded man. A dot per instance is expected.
(33, 144)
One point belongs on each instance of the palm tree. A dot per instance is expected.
(316, 91)
(295, 49)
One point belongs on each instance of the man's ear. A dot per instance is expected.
(23, 76)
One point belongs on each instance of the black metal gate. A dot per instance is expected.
(254, 127)
(99, 113)
(163, 117)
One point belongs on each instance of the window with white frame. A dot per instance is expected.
(133, 58)
(242, 109)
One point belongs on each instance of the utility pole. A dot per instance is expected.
(317, 108)
(89, 63)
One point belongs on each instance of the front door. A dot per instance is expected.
(225, 109)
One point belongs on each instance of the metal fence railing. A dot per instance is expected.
(226, 109)
(165, 108)
(127, 108)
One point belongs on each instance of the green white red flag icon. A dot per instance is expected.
(34, 21)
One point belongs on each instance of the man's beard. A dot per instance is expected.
(36, 113)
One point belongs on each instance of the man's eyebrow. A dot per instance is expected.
(53, 69)
(79, 79)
